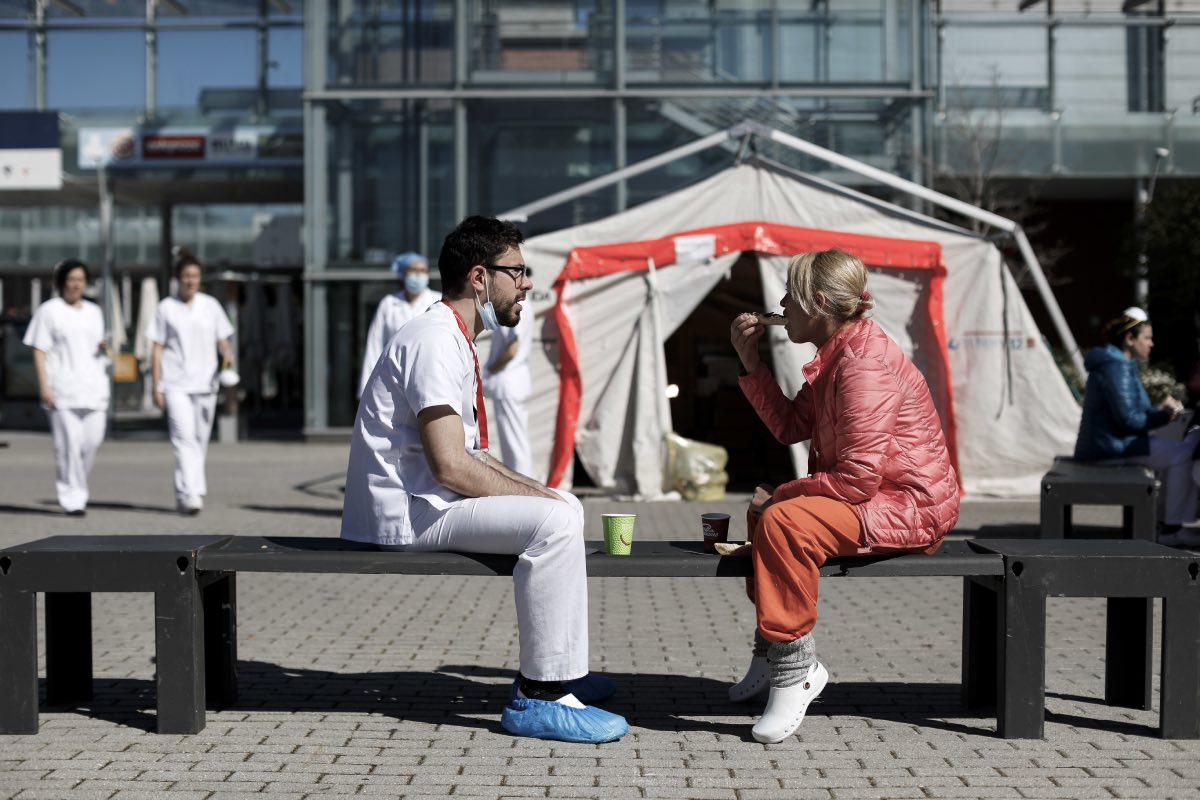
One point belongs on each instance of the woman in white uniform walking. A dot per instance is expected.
(187, 331)
(70, 356)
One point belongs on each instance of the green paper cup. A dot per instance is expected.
(618, 533)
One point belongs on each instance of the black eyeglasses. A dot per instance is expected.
(518, 274)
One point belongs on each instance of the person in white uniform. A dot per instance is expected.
(506, 381)
(397, 309)
(70, 357)
(187, 330)
(420, 478)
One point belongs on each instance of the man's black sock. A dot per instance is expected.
(541, 690)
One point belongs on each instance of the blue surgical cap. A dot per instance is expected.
(402, 262)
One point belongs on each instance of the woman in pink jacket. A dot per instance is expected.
(880, 477)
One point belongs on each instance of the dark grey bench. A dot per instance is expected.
(194, 581)
(1072, 483)
(1135, 489)
(67, 569)
(1125, 572)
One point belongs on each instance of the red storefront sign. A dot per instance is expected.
(158, 146)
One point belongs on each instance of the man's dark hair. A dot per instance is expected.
(185, 259)
(63, 268)
(476, 240)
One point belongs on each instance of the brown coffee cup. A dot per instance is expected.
(716, 529)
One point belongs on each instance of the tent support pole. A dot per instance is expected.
(952, 204)
(749, 128)
(886, 178)
(1043, 287)
(742, 148)
(522, 213)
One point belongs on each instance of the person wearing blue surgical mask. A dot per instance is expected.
(398, 308)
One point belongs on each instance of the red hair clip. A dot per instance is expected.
(865, 295)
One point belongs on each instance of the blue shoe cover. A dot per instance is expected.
(546, 719)
(595, 687)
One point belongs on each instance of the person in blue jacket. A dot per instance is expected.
(1118, 419)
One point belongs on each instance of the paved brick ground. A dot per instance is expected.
(392, 686)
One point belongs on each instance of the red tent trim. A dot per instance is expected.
(761, 237)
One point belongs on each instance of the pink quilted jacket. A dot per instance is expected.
(877, 441)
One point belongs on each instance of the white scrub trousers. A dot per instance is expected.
(549, 581)
(189, 422)
(77, 434)
(512, 419)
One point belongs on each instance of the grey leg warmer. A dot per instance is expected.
(790, 661)
(761, 645)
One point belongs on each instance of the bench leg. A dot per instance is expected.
(68, 647)
(179, 647)
(1055, 516)
(18, 661)
(1128, 649)
(220, 641)
(1021, 700)
(979, 644)
(1141, 519)
(1180, 716)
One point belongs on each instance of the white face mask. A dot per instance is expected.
(415, 282)
(487, 312)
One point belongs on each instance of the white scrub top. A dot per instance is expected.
(76, 368)
(393, 311)
(189, 333)
(512, 382)
(429, 363)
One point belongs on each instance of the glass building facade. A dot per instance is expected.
(1068, 88)
(204, 72)
(383, 122)
(421, 111)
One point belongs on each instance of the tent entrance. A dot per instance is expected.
(710, 406)
(629, 297)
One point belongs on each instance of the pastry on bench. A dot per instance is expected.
(732, 548)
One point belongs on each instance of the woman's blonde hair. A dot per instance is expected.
(841, 277)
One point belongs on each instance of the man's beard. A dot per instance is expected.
(508, 316)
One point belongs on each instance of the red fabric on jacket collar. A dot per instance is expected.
(813, 369)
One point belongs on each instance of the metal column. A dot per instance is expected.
(316, 196)
(39, 54)
(461, 49)
(151, 59)
(262, 107)
(620, 112)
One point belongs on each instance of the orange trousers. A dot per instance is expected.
(792, 539)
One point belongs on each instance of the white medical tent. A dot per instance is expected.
(611, 292)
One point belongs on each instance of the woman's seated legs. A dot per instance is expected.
(793, 539)
(1172, 458)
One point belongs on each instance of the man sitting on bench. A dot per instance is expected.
(420, 478)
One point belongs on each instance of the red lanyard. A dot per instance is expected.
(480, 410)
